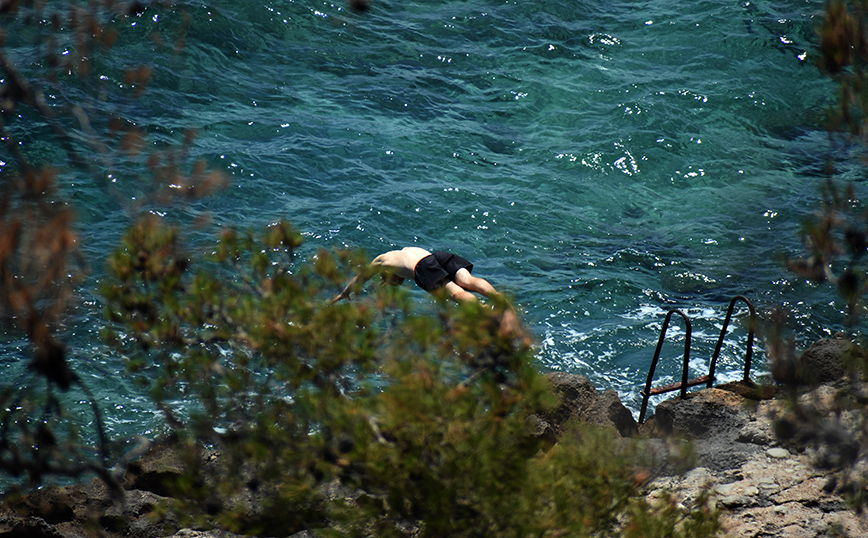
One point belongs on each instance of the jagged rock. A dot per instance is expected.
(757, 433)
(542, 429)
(157, 469)
(133, 517)
(582, 401)
(790, 520)
(576, 393)
(825, 361)
(608, 409)
(190, 533)
(749, 390)
(829, 421)
(52, 505)
(26, 527)
(86, 511)
(708, 412)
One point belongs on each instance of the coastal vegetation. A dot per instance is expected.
(371, 417)
(365, 418)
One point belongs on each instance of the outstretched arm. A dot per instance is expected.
(391, 261)
(346, 293)
(366, 273)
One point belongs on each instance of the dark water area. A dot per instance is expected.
(599, 162)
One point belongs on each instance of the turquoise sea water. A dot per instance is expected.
(600, 162)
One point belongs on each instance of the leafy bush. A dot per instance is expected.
(362, 418)
(365, 418)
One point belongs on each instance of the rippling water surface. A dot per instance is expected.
(601, 162)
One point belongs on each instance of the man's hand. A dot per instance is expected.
(342, 295)
(346, 293)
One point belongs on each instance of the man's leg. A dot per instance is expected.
(459, 294)
(471, 283)
(510, 326)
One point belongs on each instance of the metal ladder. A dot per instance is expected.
(708, 380)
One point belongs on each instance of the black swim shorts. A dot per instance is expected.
(432, 272)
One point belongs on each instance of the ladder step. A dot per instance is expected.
(675, 386)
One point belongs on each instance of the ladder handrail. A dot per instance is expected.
(750, 331)
(647, 392)
(684, 384)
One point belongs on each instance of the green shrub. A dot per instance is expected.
(360, 418)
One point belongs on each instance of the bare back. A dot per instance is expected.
(402, 262)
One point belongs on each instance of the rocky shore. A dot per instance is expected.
(777, 465)
(764, 487)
